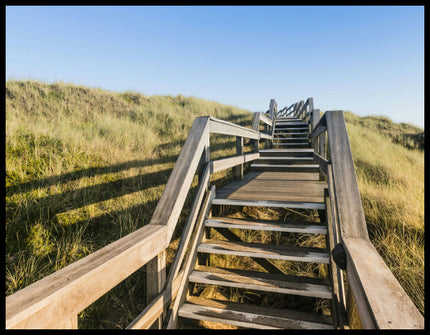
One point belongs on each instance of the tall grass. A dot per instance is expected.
(85, 167)
(390, 175)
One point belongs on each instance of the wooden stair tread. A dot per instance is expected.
(266, 225)
(263, 203)
(288, 150)
(250, 316)
(303, 166)
(260, 281)
(260, 250)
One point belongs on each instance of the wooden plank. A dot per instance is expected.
(239, 152)
(333, 240)
(381, 301)
(264, 263)
(281, 176)
(172, 316)
(265, 136)
(320, 128)
(222, 164)
(350, 211)
(282, 204)
(265, 119)
(322, 162)
(260, 281)
(266, 225)
(60, 296)
(189, 227)
(252, 316)
(151, 312)
(269, 251)
(227, 128)
(170, 205)
(155, 280)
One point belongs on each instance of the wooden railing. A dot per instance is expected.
(371, 287)
(56, 300)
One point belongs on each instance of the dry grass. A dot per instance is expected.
(85, 167)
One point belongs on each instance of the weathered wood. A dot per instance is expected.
(251, 316)
(227, 128)
(265, 119)
(320, 128)
(265, 136)
(155, 280)
(333, 240)
(264, 263)
(189, 227)
(151, 312)
(286, 168)
(60, 296)
(260, 281)
(256, 203)
(256, 127)
(172, 315)
(381, 301)
(315, 118)
(239, 152)
(322, 162)
(350, 211)
(173, 198)
(269, 251)
(226, 163)
(266, 225)
(72, 323)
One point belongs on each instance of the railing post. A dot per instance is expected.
(239, 152)
(256, 127)
(315, 118)
(155, 280)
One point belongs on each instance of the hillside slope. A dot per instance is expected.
(85, 167)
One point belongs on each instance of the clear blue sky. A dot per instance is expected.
(368, 60)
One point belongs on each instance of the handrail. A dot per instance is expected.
(55, 301)
(381, 301)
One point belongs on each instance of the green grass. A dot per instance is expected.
(85, 167)
(390, 175)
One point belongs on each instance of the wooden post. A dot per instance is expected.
(239, 152)
(316, 115)
(155, 280)
(256, 127)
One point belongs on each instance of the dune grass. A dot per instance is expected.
(85, 167)
(390, 175)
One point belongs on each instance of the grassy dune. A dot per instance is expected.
(85, 167)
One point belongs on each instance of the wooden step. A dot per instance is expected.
(251, 316)
(263, 203)
(284, 160)
(291, 139)
(292, 129)
(260, 281)
(293, 134)
(269, 251)
(291, 144)
(284, 167)
(290, 152)
(266, 225)
(290, 124)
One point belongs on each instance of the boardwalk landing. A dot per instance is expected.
(283, 177)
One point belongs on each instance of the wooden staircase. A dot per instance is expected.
(292, 168)
(298, 264)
